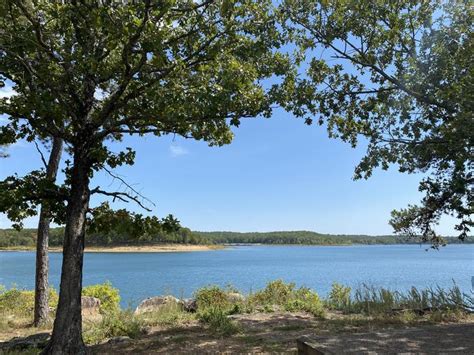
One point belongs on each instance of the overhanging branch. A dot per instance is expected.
(122, 196)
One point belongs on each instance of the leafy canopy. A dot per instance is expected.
(90, 74)
(401, 74)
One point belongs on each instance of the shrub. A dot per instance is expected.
(212, 296)
(218, 321)
(303, 299)
(168, 315)
(283, 295)
(339, 297)
(21, 303)
(109, 296)
(113, 324)
(276, 292)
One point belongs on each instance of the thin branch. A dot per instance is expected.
(41, 155)
(137, 194)
(122, 196)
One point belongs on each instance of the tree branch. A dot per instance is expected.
(41, 155)
(122, 196)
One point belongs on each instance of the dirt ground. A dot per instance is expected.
(277, 333)
(270, 333)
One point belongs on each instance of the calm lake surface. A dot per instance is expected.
(141, 275)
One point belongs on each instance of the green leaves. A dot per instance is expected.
(20, 197)
(114, 225)
(400, 76)
(172, 67)
(91, 74)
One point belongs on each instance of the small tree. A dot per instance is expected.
(401, 74)
(90, 74)
(41, 307)
(42, 240)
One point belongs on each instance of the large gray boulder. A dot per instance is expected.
(90, 307)
(153, 304)
(235, 297)
(189, 305)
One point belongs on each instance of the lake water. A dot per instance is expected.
(141, 275)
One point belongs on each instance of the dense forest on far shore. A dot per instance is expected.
(27, 238)
(309, 238)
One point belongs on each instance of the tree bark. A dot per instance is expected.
(42, 260)
(67, 330)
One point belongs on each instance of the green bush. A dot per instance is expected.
(275, 293)
(167, 315)
(303, 299)
(21, 303)
(340, 297)
(212, 296)
(113, 324)
(286, 296)
(218, 321)
(109, 296)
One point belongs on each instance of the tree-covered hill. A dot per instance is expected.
(309, 238)
(27, 238)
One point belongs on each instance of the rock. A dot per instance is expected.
(38, 341)
(155, 303)
(189, 305)
(90, 306)
(235, 297)
(88, 302)
(119, 340)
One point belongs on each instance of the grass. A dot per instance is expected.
(278, 295)
(365, 307)
(113, 324)
(170, 315)
(218, 321)
(381, 302)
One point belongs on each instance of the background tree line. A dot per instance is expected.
(27, 238)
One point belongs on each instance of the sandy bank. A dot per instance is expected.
(164, 248)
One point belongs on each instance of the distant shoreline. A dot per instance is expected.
(165, 248)
(172, 248)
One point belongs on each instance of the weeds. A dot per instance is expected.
(366, 305)
(339, 297)
(440, 304)
(212, 296)
(113, 324)
(170, 315)
(286, 297)
(21, 302)
(218, 321)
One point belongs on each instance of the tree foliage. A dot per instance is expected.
(307, 238)
(90, 74)
(401, 74)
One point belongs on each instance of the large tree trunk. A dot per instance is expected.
(67, 330)
(42, 261)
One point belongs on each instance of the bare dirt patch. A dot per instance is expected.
(277, 333)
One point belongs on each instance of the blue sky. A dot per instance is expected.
(278, 174)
